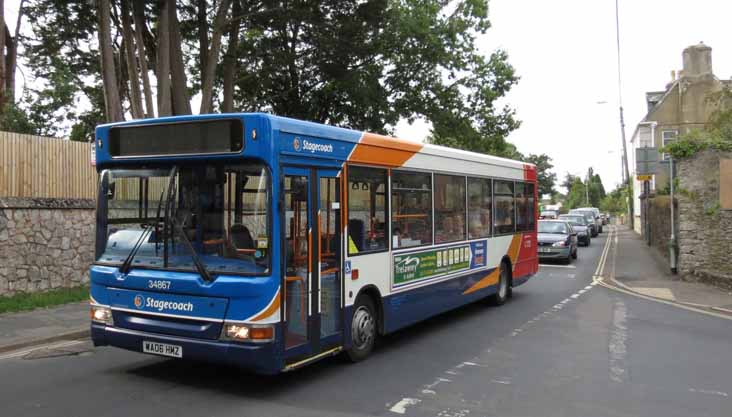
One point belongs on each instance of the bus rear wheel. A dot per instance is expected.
(504, 287)
(363, 329)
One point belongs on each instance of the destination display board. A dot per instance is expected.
(179, 138)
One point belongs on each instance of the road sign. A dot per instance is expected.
(646, 161)
(645, 177)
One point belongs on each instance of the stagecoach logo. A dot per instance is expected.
(407, 265)
(311, 147)
(139, 301)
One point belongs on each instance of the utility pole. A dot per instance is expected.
(626, 172)
(587, 189)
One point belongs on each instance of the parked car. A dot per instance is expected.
(548, 215)
(590, 216)
(581, 226)
(596, 213)
(557, 240)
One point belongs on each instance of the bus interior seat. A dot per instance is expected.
(241, 238)
(355, 231)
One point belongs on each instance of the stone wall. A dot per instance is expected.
(705, 231)
(659, 217)
(45, 243)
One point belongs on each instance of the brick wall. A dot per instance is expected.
(659, 217)
(705, 230)
(45, 243)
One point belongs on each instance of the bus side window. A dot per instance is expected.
(367, 216)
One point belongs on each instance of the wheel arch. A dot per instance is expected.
(509, 267)
(374, 294)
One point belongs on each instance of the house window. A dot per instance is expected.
(668, 136)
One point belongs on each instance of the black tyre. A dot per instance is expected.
(504, 287)
(363, 329)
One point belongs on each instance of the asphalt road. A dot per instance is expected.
(560, 347)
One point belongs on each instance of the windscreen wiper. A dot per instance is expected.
(125, 268)
(194, 255)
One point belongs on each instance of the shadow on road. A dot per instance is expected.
(226, 379)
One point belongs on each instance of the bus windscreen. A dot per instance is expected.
(180, 138)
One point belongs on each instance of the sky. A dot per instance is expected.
(565, 53)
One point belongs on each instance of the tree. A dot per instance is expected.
(545, 178)
(576, 196)
(353, 63)
(616, 202)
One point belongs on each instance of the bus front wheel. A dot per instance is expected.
(363, 329)
(504, 286)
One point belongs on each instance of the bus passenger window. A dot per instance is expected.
(367, 214)
(411, 209)
(449, 208)
(479, 207)
(504, 206)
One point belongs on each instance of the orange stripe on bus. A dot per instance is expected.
(514, 248)
(487, 281)
(384, 150)
(271, 309)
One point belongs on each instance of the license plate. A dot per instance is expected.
(545, 250)
(164, 349)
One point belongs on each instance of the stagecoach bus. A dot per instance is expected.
(269, 243)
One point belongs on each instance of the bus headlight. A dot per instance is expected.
(102, 314)
(247, 332)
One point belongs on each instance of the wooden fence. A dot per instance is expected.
(42, 167)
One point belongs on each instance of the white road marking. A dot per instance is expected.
(556, 266)
(401, 406)
(589, 287)
(57, 345)
(617, 346)
(706, 391)
(500, 381)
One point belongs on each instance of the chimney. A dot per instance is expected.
(698, 61)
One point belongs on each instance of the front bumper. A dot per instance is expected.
(259, 358)
(553, 253)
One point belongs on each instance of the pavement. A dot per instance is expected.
(42, 326)
(641, 269)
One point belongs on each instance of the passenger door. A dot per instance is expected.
(312, 295)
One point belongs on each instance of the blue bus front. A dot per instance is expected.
(187, 263)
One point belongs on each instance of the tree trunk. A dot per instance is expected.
(109, 77)
(230, 61)
(163, 60)
(202, 35)
(181, 103)
(11, 60)
(207, 79)
(127, 37)
(3, 74)
(139, 16)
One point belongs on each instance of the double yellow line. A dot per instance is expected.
(599, 280)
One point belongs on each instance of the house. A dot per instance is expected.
(684, 105)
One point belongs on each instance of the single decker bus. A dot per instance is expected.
(269, 243)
